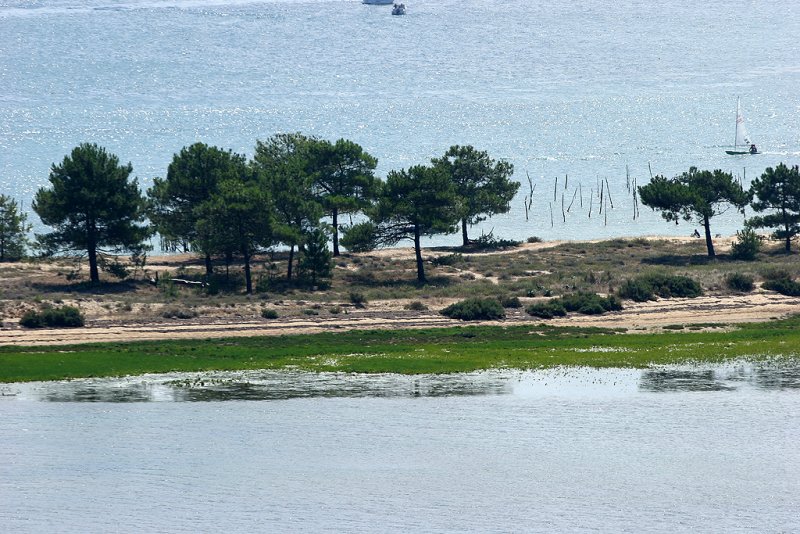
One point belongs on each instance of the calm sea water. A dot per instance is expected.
(689, 449)
(560, 88)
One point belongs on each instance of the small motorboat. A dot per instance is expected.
(399, 9)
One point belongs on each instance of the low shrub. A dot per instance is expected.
(739, 282)
(178, 313)
(336, 310)
(490, 242)
(776, 273)
(510, 302)
(637, 290)
(449, 259)
(746, 246)
(534, 239)
(648, 286)
(590, 303)
(358, 299)
(416, 306)
(547, 310)
(475, 309)
(60, 317)
(784, 286)
(269, 313)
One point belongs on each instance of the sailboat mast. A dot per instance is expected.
(736, 124)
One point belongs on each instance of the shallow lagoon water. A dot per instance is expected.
(659, 450)
(559, 88)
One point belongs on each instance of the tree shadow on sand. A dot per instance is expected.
(89, 288)
(682, 260)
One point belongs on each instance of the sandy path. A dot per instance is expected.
(648, 316)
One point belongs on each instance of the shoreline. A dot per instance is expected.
(408, 351)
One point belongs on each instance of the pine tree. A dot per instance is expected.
(13, 230)
(695, 194)
(93, 204)
(482, 184)
(778, 191)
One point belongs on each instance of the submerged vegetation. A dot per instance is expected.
(445, 350)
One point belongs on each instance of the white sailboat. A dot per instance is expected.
(742, 143)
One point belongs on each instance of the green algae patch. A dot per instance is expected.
(449, 350)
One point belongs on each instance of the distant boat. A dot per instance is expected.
(399, 9)
(741, 143)
(378, 2)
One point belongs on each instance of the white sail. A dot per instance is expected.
(742, 138)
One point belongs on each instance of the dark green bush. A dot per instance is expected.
(64, 316)
(547, 310)
(475, 309)
(358, 299)
(490, 242)
(637, 290)
(746, 246)
(510, 302)
(416, 306)
(784, 286)
(648, 286)
(359, 237)
(739, 282)
(590, 303)
(269, 313)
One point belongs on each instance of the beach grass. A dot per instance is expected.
(448, 350)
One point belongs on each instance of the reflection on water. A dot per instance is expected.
(281, 385)
(727, 377)
(260, 385)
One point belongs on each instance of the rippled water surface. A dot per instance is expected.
(660, 450)
(559, 88)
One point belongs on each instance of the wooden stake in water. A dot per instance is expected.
(566, 181)
(573, 199)
(628, 178)
(591, 201)
(529, 198)
(555, 188)
(601, 196)
(608, 189)
(580, 189)
(563, 214)
(551, 214)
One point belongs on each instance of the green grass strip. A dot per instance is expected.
(450, 350)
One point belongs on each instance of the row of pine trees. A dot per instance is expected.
(294, 193)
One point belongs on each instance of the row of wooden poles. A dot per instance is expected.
(602, 192)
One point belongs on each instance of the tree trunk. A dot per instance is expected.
(291, 261)
(709, 243)
(464, 232)
(248, 281)
(94, 275)
(788, 234)
(209, 267)
(418, 253)
(335, 217)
